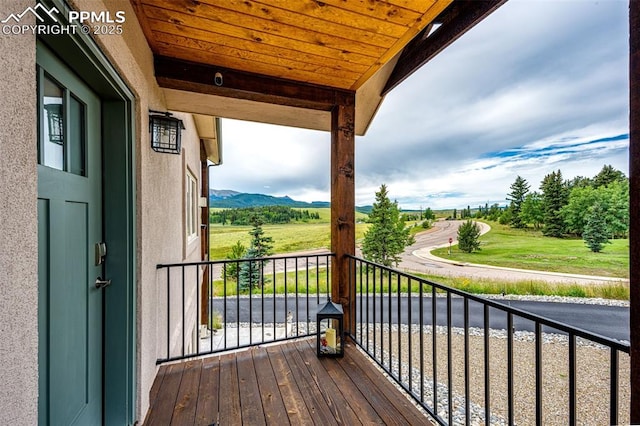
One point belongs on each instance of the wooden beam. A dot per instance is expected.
(634, 205)
(455, 20)
(343, 219)
(194, 77)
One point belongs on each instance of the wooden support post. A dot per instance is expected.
(343, 217)
(634, 204)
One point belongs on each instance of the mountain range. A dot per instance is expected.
(228, 199)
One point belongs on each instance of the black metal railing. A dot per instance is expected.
(209, 307)
(467, 359)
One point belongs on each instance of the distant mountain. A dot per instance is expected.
(221, 194)
(228, 199)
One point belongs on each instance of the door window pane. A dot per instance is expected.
(76, 142)
(53, 126)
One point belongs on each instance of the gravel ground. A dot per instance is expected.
(592, 374)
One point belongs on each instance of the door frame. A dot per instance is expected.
(80, 53)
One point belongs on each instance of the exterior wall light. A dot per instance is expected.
(165, 132)
(330, 319)
(55, 123)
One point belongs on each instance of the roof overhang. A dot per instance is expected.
(210, 134)
(290, 63)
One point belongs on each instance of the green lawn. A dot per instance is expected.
(528, 249)
(287, 238)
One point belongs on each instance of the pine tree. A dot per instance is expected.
(519, 190)
(387, 236)
(607, 175)
(596, 232)
(251, 272)
(468, 236)
(554, 197)
(238, 251)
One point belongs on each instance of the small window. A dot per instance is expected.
(62, 142)
(191, 207)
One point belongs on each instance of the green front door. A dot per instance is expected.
(70, 306)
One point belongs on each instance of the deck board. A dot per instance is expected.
(184, 412)
(278, 385)
(207, 406)
(275, 412)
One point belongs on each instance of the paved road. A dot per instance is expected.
(609, 321)
(417, 258)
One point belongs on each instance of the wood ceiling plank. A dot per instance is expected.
(229, 58)
(143, 20)
(427, 18)
(233, 46)
(321, 10)
(265, 11)
(271, 70)
(415, 5)
(229, 22)
(382, 10)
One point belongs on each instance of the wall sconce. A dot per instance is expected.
(165, 132)
(55, 123)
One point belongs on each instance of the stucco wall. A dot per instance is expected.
(18, 226)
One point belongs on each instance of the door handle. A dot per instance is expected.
(100, 283)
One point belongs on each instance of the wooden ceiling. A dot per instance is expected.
(332, 43)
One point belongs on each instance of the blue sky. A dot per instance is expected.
(536, 87)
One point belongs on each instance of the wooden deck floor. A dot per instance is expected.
(278, 385)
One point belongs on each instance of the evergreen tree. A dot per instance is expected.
(251, 272)
(554, 197)
(387, 236)
(595, 233)
(607, 175)
(469, 236)
(238, 251)
(519, 190)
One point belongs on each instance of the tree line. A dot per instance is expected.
(268, 214)
(595, 209)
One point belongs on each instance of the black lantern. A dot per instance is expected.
(165, 132)
(329, 326)
(55, 123)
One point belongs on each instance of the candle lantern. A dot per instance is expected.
(329, 329)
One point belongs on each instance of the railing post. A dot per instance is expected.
(342, 200)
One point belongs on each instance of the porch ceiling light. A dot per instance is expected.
(165, 132)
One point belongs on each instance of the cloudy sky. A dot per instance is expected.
(536, 87)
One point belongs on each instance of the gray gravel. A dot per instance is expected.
(592, 374)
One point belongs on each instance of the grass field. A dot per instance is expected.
(528, 249)
(287, 238)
